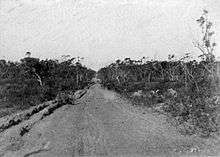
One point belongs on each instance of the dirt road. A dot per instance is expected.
(100, 124)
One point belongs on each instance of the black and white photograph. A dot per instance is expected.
(109, 78)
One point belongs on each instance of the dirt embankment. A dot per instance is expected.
(43, 109)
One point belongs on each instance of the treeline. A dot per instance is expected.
(129, 75)
(32, 81)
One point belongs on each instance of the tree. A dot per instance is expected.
(28, 54)
(206, 45)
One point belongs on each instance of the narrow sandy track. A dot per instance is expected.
(100, 124)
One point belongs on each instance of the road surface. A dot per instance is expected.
(100, 124)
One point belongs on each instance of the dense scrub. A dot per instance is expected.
(151, 81)
(32, 81)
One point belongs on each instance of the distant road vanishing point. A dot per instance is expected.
(100, 124)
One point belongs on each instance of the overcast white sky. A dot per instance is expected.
(102, 31)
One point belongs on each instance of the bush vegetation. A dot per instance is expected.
(32, 81)
(195, 82)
